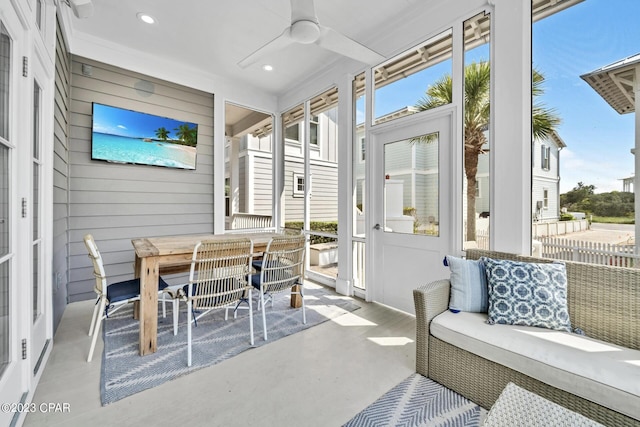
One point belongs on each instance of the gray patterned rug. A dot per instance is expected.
(420, 401)
(124, 372)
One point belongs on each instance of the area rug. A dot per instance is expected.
(124, 372)
(420, 401)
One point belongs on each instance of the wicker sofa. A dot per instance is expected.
(603, 301)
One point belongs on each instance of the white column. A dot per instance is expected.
(511, 127)
(277, 153)
(218, 166)
(636, 179)
(344, 283)
(234, 176)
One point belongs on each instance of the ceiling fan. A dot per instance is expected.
(306, 29)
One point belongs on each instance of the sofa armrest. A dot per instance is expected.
(430, 300)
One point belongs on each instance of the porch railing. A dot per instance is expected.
(482, 240)
(247, 220)
(359, 279)
(590, 252)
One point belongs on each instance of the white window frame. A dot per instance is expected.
(296, 190)
(297, 141)
(545, 163)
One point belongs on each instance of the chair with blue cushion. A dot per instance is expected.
(111, 297)
(257, 263)
(218, 279)
(281, 269)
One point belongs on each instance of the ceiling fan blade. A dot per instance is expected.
(303, 10)
(274, 45)
(334, 41)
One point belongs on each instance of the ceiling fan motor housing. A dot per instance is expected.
(305, 31)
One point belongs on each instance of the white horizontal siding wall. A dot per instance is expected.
(118, 202)
(324, 186)
(262, 184)
(293, 207)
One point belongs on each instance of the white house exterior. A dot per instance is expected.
(252, 192)
(545, 169)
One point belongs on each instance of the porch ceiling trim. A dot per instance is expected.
(615, 83)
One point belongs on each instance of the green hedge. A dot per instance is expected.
(322, 226)
(566, 217)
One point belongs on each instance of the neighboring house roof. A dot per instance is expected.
(556, 138)
(614, 83)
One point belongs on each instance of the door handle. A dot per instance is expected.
(377, 227)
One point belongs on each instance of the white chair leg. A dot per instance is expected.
(176, 313)
(97, 328)
(304, 314)
(93, 317)
(250, 318)
(264, 315)
(189, 319)
(164, 307)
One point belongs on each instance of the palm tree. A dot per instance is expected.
(186, 134)
(162, 133)
(477, 82)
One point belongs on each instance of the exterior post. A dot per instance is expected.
(636, 179)
(511, 127)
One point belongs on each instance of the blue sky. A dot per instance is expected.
(133, 124)
(566, 45)
(579, 40)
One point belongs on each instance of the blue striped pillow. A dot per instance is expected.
(469, 291)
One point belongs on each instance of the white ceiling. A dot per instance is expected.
(213, 36)
(210, 37)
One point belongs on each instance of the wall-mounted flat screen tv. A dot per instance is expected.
(125, 136)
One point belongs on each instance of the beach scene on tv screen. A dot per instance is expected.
(125, 136)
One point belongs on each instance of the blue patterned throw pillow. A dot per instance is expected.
(468, 285)
(528, 294)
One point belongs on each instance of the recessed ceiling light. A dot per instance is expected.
(267, 67)
(146, 18)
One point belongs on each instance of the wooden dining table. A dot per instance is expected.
(168, 255)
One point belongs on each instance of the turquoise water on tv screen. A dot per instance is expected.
(120, 149)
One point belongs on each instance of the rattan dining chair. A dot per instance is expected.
(281, 269)
(218, 279)
(110, 296)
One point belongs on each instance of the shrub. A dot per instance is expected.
(566, 217)
(322, 226)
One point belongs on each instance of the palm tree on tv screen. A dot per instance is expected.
(188, 135)
(162, 133)
(477, 82)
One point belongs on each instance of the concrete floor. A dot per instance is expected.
(322, 376)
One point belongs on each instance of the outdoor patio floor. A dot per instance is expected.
(322, 376)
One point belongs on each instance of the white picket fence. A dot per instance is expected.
(590, 252)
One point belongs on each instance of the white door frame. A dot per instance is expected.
(41, 328)
(14, 382)
(32, 59)
(442, 120)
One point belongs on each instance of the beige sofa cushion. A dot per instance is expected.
(594, 370)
